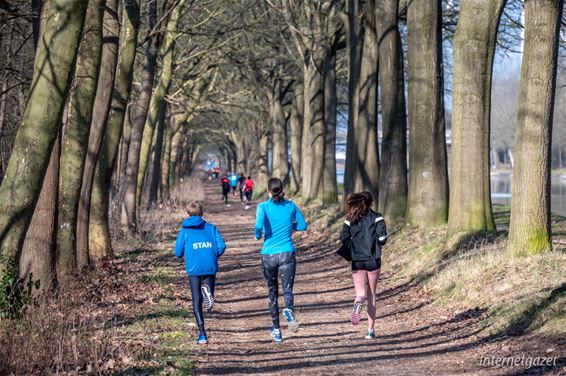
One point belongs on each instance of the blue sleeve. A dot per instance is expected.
(300, 223)
(180, 244)
(220, 245)
(259, 220)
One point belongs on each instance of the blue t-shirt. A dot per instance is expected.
(233, 180)
(277, 221)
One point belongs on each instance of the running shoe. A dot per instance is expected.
(276, 335)
(202, 340)
(371, 334)
(356, 313)
(292, 322)
(207, 298)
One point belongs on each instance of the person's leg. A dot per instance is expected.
(195, 284)
(360, 279)
(207, 289)
(287, 268)
(373, 277)
(269, 264)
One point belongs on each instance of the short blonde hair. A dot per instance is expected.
(195, 209)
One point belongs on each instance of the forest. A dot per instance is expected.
(112, 110)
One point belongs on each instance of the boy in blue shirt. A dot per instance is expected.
(201, 245)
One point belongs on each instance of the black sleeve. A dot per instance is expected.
(345, 233)
(381, 229)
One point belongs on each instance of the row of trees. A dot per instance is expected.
(126, 94)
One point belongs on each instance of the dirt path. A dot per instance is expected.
(414, 336)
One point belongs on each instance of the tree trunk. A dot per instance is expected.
(352, 173)
(167, 53)
(99, 233)
(75, 137)
(474, 49)
(280, 152)
(140, 109)
(296, 130)
(40, 123)
(262, 171)
(167, 164)
(158, 154)
(362, 154)
(428, 171)
(314, 121)
(38, 251)
(393, 173)
(529, 230)
(101, 109)
(306, 153)
(329, 184)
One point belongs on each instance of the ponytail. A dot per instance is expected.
(275, 187)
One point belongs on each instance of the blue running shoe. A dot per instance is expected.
(292, 322)
(371, 334)
(276, 335)
(202, 340)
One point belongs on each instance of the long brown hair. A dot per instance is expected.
(357, 206)
(275, 187)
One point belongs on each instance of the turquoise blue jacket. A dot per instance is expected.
(277, 221)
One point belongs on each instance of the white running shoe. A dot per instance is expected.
(207, 298)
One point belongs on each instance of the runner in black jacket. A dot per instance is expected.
(366, 232)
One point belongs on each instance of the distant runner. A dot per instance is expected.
(276, 219)
(366, 233)
(225, 188)
(249, 191)
(241, 180)
(233, 182)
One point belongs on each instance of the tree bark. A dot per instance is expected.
(167, 54)
(296, 130)
(474, 49)
(262, 171)
(393, 173)
(428, 171)
(40, 123)
(362, 154)
(329, 185)
(167, 163)
(530, 231)
(140, 109)
(157, 158)
(99, 233)
(75, 137)
(102, 101)
(38, 256)
(280, 152)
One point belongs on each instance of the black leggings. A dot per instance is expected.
(285, 265)
(195, 282)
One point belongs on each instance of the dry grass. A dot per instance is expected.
(520, 294)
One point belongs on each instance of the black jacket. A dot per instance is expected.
(366, 236)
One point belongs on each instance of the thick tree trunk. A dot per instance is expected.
(362, 154)
(474, 49)
(329, 185)
(75, 136)
(314, 122)
(40, 123)
(279, 136)
(354, 38)
(99, 235)
(102, 101)
(296, 130)
(393, 173)
(306, 152)
(530, 230)
(140, 109)
(428, 171)
(38, 252)
(158, 98)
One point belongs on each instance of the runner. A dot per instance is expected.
(201, 245)
(249, 191)
(241, 180)
(216, 171)
(225, 188)
(233, 182)
(365, 232)
(276, 219)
